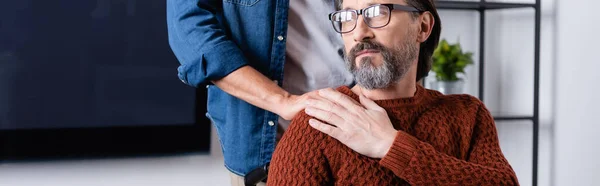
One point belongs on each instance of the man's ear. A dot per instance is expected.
(426, 23)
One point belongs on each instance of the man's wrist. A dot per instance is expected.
(279, 102)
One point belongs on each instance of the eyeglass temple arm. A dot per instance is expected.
(405, 8)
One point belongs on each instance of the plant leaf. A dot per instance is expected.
(449, 60)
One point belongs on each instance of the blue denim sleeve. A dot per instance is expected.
(199, 43)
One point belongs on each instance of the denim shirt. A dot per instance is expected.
(212, 38)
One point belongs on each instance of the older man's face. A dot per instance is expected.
(379, 57)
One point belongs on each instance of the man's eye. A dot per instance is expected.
(344, 16)
(373, 12)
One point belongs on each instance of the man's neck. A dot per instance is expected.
(404, 88)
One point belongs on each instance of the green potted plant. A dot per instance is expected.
(448, 62)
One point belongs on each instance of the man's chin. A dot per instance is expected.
(372, 62)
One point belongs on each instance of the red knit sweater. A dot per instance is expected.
(441, 140)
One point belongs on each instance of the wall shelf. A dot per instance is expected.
(477, 5)
(512, 118)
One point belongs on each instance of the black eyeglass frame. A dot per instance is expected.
(360, 12)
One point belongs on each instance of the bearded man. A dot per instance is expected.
(388, 129)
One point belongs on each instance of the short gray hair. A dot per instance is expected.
(338, 4)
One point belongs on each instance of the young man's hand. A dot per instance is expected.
(293, 104)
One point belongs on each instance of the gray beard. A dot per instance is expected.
(396, 63)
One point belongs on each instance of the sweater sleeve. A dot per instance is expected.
(419, 163)
(299, 158)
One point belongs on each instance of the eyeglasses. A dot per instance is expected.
(375, 16)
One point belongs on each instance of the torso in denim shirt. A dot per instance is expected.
(247, 133)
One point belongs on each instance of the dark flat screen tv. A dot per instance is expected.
(93, 78)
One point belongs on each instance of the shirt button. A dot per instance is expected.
(280, 38)
(207, 86)
(271, 123)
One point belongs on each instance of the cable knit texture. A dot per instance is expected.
(441, 140)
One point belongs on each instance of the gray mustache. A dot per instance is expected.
(369, 45)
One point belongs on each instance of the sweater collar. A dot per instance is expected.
(391, 103)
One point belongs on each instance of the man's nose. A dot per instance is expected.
(362, 32)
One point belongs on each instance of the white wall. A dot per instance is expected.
(577, 85)
(509, 77)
